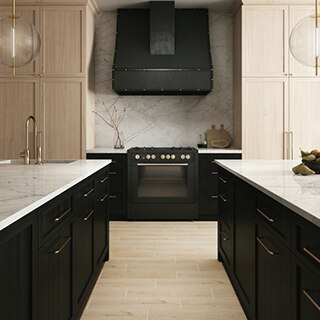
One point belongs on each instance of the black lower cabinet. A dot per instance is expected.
(17, 272)
(55, 276)
(272, 277)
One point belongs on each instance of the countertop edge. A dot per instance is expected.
(302, 213)
(6, 222)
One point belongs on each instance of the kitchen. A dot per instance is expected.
(160, 222)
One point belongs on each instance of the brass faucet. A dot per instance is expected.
(37, 149)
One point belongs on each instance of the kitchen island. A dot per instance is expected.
(269, 239)
(53, 236)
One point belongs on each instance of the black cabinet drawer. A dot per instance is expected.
(306, 288)
(276, 216)
(306, 243)
(84, 193)
(54, 214)
(226, 243)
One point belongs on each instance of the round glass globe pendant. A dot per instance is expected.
(19, 41)
(305, 41)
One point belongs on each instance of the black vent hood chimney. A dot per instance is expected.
(162, 50)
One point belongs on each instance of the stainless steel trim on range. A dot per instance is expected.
(162, 183)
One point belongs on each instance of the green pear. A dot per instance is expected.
(303, 170)
(310, 157)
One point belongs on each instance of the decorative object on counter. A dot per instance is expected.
(114, 120)
(310, 163)
(200, 144)
(218, 138)
(20, 38)
(305, 40)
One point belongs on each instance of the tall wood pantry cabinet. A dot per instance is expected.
(276, 97)
(55, 87)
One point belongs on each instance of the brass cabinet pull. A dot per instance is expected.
(104, 198)
(222, 180)
(265, 215)
(224, 237)
(214, 173)
(88, 193)
(112, 197)
(308, 296)
(311, 254)
(272, 253)
(223, 198)
(104, 180)
(88, 216)
(57, 219)
(113, 172)
(113, 161)
(62, 247)
(214, 197)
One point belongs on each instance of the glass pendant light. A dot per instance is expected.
(305, 40)
(19, 40)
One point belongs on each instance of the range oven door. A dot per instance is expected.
(163, 182)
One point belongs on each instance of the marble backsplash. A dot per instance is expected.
(164, 120)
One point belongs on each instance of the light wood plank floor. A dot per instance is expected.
(163, 271)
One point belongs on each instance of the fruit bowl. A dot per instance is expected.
(313, 165)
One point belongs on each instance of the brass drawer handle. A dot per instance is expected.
(222, 180)
(104, 198)
(57, 219)
(214, 197)
(272, 253)
(224, 237)
(112, 197)
(214, 173)
(104, 180)
(265, 215)
(113, 161)
(308, 296)
(113, 172)
(88, 193)
(311, 254)
(88, 216)
(223, 198)
(62, 247)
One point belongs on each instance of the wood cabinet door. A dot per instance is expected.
(63, 41)
(304, 115)
(32, 14)
(62, 118)
(264, 41)
(264, 115)
(297, 13)
(18, 100)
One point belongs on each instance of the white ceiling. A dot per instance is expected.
(218, 5)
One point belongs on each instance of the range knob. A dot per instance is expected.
(188, 156)
(137, 156)
(148, 156)
(173, 156)
(162, 156)
(168, 156)
(153, 156)
(183, 156)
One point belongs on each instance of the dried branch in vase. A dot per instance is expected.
(113, 120)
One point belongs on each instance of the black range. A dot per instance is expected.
(162, 183)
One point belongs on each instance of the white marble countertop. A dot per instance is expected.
(300, 194)
(200, 150)
(26, 188)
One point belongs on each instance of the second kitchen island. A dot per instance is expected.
(269, 239)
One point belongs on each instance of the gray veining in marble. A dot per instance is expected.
(276, 179)
(165, 120)
(23, 189)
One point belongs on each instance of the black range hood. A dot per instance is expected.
(162, 50)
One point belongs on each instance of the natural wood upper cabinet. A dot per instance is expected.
(32, 14)
(18, 100)
(62, 119)
(297, 13)
(63, 41)
(264, 41)
(264, 111)
(304, 115)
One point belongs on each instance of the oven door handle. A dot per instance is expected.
(162, 164)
